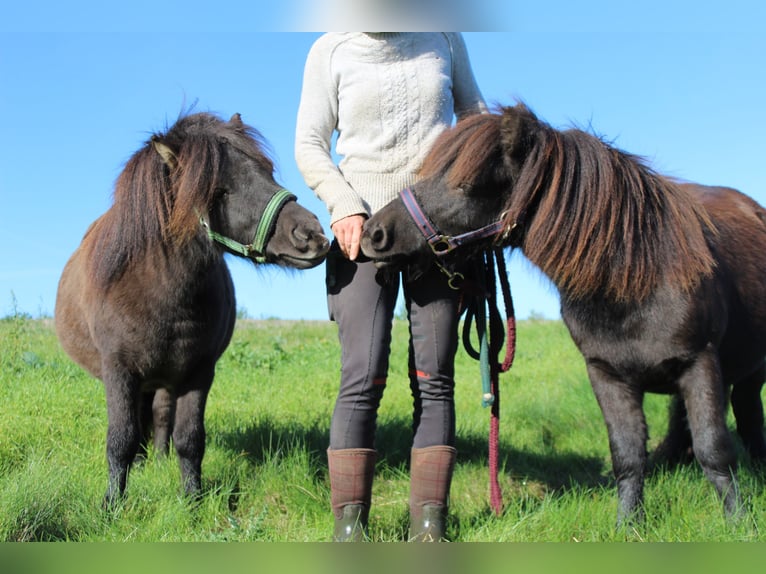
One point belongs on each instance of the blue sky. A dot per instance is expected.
(83, 84)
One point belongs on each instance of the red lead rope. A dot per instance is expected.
(496, 497)
(491, 342)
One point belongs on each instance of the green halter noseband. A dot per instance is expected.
(262, 233)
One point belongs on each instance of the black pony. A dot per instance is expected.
(662, 284)
(146, 303)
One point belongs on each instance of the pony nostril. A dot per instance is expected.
(301, 234)
(379, 238)
(301, 238)
(308, 240)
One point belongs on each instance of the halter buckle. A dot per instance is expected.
(441, 245)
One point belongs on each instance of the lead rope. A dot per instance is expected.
(491, 339)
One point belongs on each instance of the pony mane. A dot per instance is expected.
(158, 204)
(465, 152)
(596, 220)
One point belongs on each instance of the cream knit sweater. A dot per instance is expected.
(388, 96)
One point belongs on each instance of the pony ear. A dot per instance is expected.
(517, 126)
(236, 120)
(164, 151)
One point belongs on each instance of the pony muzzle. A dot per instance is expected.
(263, 232)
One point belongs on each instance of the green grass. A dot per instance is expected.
(264, 472)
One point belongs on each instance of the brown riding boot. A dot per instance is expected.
(430, 478)
(351, 474)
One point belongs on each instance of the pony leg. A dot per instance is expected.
(705, 398)
(123, 433)
(621, 406)
(676, 447)
(748, 411)
(163, 413)
(189, 437)
(145, 422)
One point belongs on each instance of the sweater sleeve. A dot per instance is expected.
(465, 90)
(316, 121)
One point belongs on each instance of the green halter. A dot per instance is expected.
(262, 233)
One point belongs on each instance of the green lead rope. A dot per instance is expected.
(487, 394)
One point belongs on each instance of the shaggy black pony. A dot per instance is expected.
(662, 284)
(146, 303)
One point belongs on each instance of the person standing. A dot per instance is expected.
(386, 96)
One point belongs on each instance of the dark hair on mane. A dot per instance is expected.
(595, 219)
(154, 202)
(464, 152)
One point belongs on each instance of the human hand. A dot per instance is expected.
(347, 232)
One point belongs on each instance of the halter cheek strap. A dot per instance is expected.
(257, 249)
(442, 244)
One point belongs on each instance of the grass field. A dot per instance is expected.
(264, 472)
